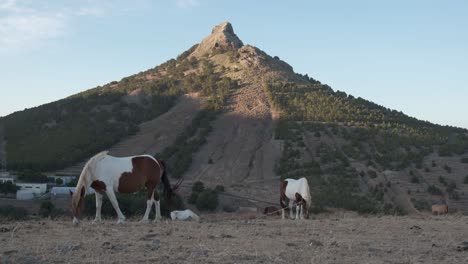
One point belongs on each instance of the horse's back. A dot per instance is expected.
(297, 186)
(128, 174)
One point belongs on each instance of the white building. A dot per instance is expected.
(29, 191)
(36, 188)
(64, 191)
(7, 179)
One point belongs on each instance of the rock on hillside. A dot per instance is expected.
(222, 38)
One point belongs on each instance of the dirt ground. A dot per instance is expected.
(227, 238)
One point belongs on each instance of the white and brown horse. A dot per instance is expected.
(298, 193)
(107, 175)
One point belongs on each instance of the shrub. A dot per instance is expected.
(414, 179)
(464, 160)
(421, 205)
(434, 190)
(372, 174)
(46, 208)
(13, 213)
(198, 187)
(447, 168)
(219, 188)
(8, 187)
(451, 187)
(442, 180)
(207, 200)
(465, 180)
(59, 181)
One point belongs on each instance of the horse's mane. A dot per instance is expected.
(82, 181)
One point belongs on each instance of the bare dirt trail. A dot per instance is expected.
(338, 238)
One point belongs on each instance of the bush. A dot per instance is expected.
(198, 187)
(414, 179)
(447, 168)
(59, 181)
(421, 205)
(207, 200)
(47, 207)
(219, 188)
(13, 213)
(464, 160)
(451, 187)
(442, 180)
(434, 190)
(8, 187)
(372, 174)
(465, 180)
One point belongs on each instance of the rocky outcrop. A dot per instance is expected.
(222, 39)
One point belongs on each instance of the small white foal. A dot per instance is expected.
(184, 215)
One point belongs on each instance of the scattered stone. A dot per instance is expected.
(149, 237)
(199, 253)
(67, 247)
(463, 246)
(154, 245)
(415, 227)
(226, 236)
(9, 252)
(315, 243)
(291, 244)
(4, 229)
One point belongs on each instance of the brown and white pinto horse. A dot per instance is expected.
(298, 193)
(107, 174)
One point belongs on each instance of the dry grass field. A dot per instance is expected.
(229, 238)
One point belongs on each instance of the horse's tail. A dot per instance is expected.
(166, 184)
(283, 185)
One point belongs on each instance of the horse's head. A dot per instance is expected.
(77, 205)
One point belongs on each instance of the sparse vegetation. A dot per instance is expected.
(13, 213)
(432, 189)
(414, 179)
(8, 188)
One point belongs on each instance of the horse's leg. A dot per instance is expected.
(98, 207)
(115, 204)
(149, 205)
(291, 204)
(157, 203)
(298, 211)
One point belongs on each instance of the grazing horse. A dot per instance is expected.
(438, 209)
(107, 174)
(298, 193)
(184, 215)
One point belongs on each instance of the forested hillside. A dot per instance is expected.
(61, 133)
(340, 143)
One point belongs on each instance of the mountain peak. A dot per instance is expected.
(222, 37)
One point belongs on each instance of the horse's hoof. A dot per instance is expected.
(121, 222)
(144, 221)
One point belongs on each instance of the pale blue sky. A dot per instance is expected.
(406, 55)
